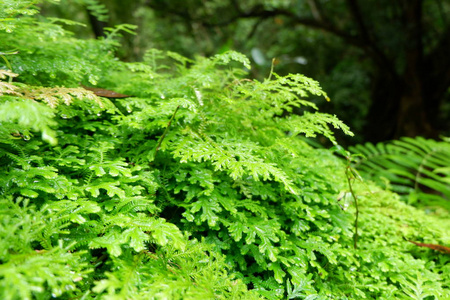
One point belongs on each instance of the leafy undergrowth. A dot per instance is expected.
(198, 186)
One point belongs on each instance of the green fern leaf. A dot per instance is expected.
(411, 165)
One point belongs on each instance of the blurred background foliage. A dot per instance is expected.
(384, 63)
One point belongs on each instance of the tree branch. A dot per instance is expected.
(255, 28)
(315, 10)
(363, 42)
(259, 12)
(369, 44)
(356, 13)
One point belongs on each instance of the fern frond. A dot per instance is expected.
(417, 287)
(313, 124)
(236, 158)
(96, 8)
(54, 97)
(29, 115)
(8, 88)
(131, 205)
(414, 166)
(21, 159)
(225, 58)
(135, 231)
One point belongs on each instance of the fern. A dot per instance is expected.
(303, 289)
(416, 168)
(96, 8)
(201, 185)
(417, 287)
(189, 274)
(23, 116)
(24, 273)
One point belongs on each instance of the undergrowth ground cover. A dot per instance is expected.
(194, 182)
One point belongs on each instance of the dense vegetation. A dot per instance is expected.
(383, 62)
(195, 182)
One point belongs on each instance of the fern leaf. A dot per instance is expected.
(29, 115)
(409, 164)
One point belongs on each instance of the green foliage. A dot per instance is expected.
(199, 186)
(96, 8)
(416, 168)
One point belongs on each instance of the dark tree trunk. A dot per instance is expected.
(98, 27)
(385, 106)
(402, 107)
(404, 103)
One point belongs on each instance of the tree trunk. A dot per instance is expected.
(412, 118)
(400, 108)
(97, 25)
(400, 100)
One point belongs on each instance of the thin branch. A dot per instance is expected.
(370, 45)
(260, 12)
(314, 6)
(357, 15)
(440, 248)
(255, 28)
(309, 22)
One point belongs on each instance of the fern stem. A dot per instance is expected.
(349, 180)
(420, 168)
(271, 69)
(9, 66)
(165, 131)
